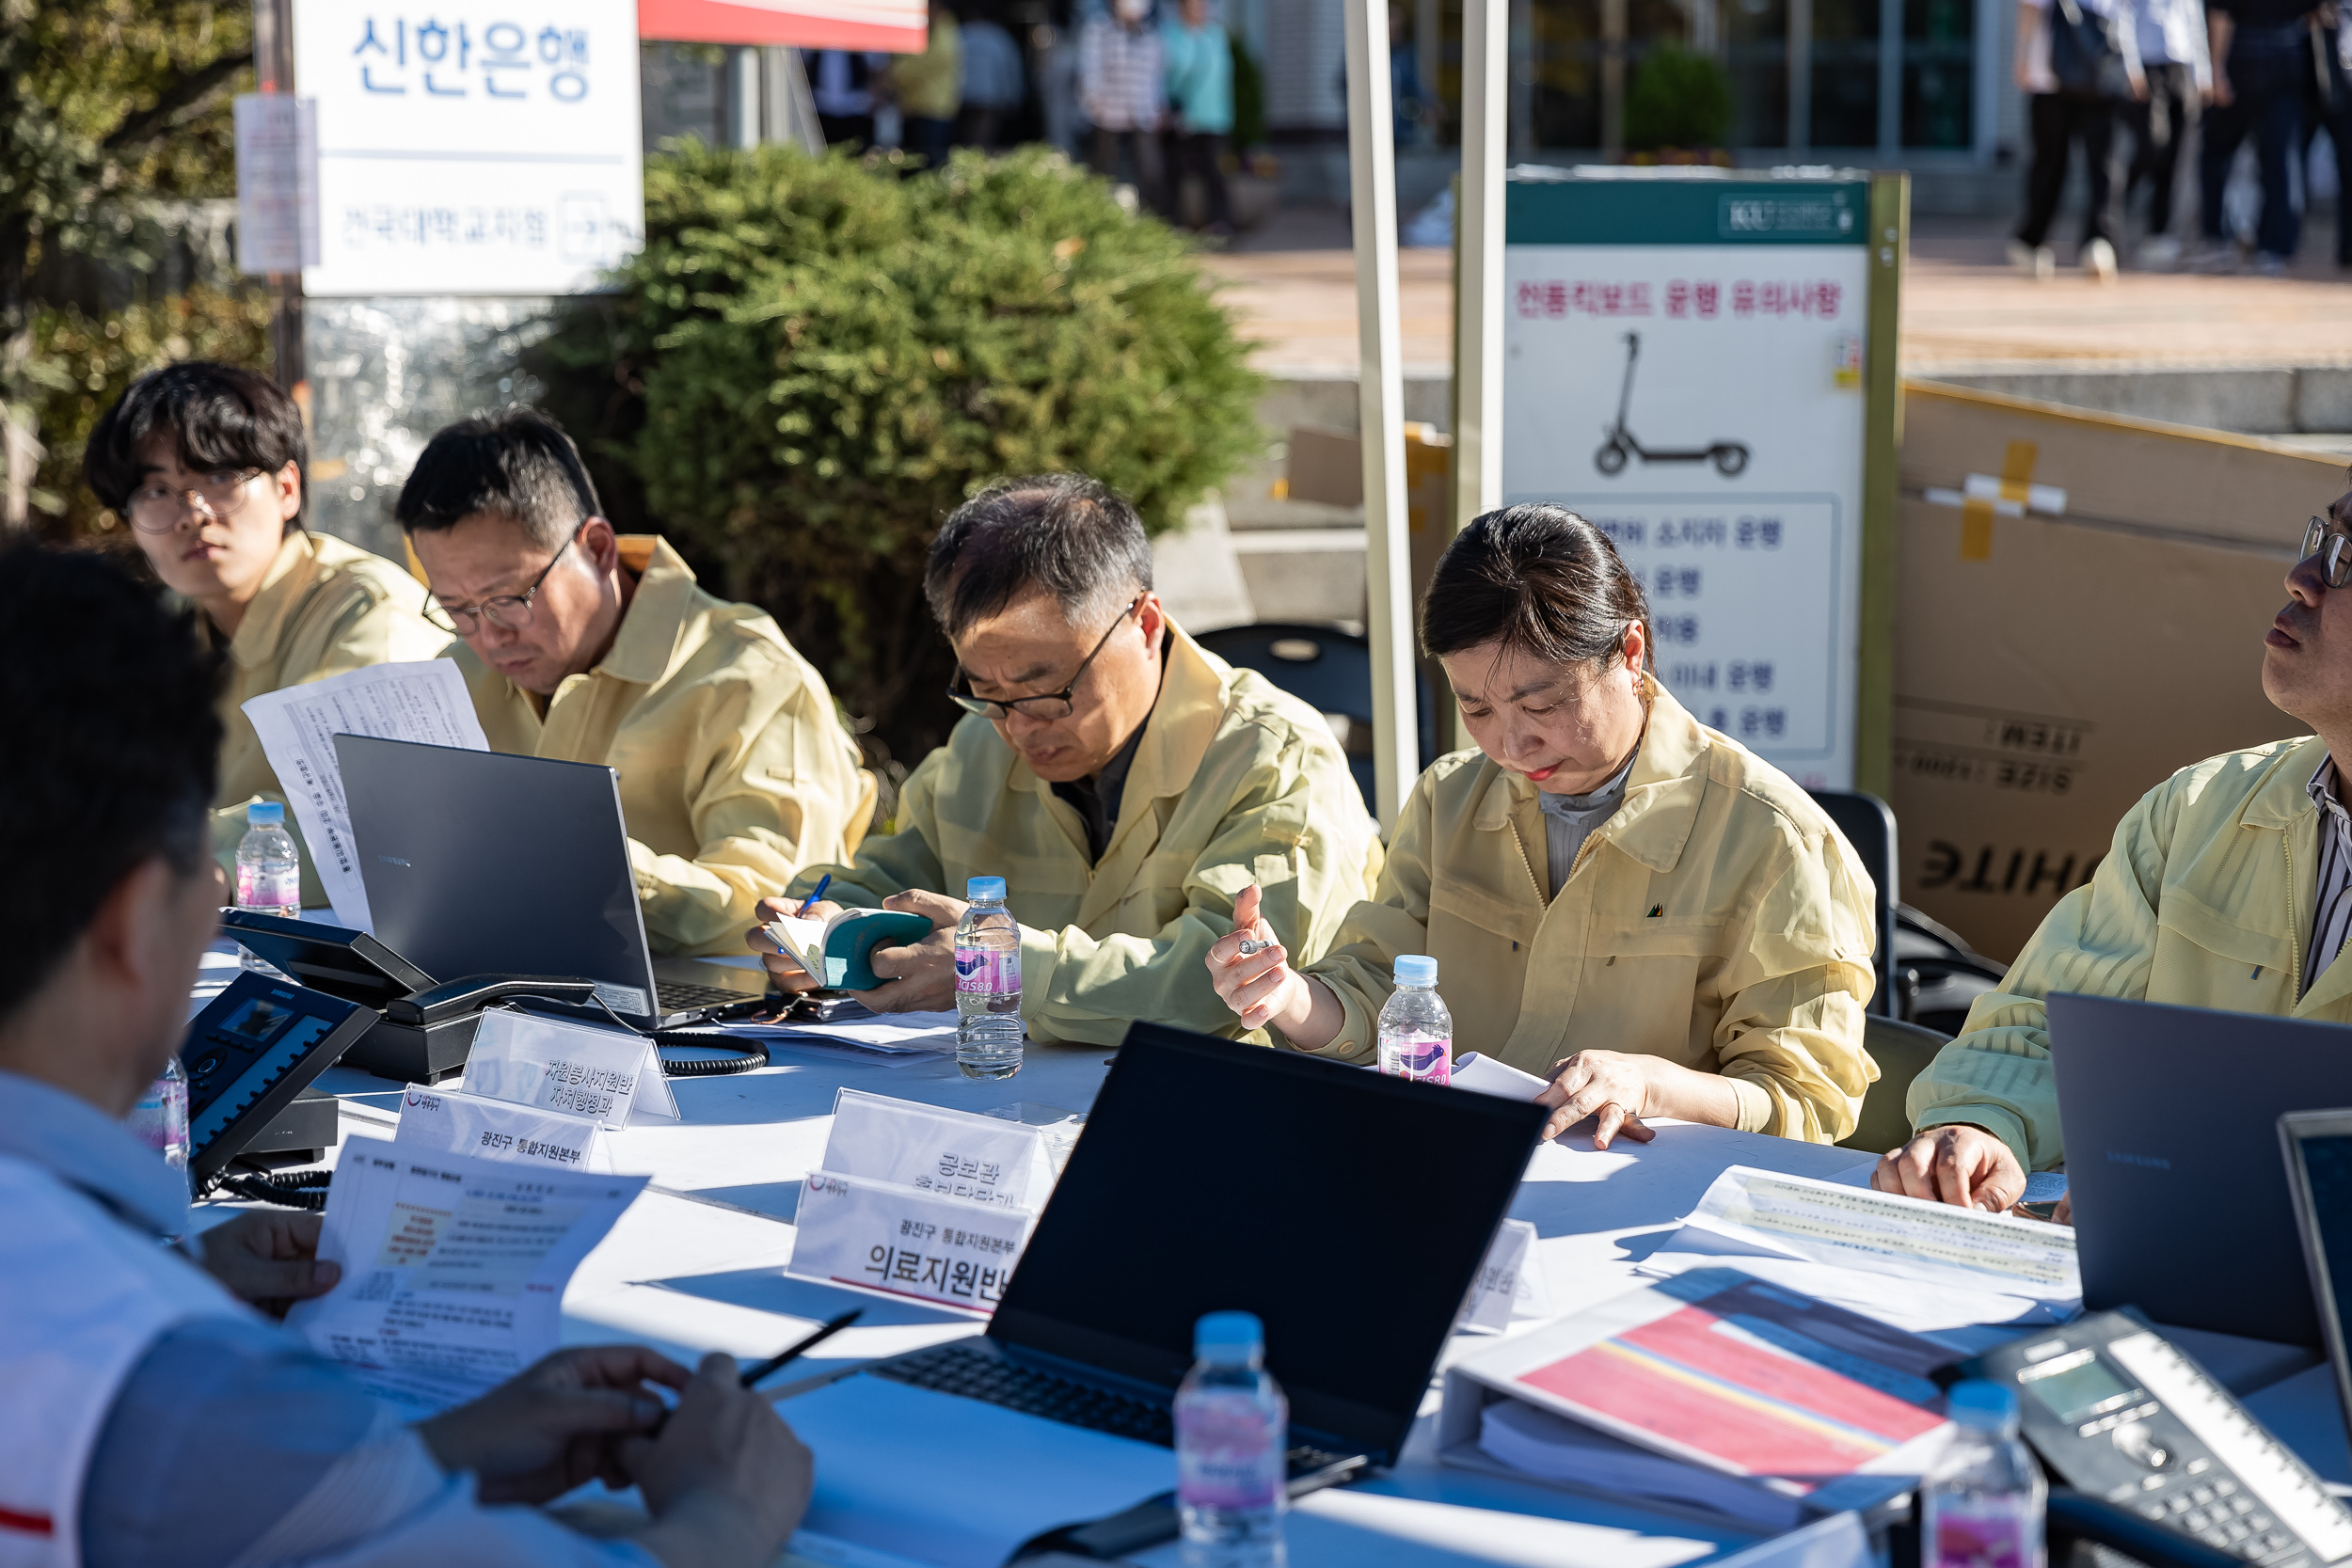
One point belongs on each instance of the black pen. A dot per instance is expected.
(778, 1362)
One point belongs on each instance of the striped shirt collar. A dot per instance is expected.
(2332, 911)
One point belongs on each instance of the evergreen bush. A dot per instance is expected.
(814, 361)
(1679, 98)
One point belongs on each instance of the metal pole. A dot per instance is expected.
(1800, 75)
(1380, 398)
(1478, 298)
(273, 71)
(1890, 78)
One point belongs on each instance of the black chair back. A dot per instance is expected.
(1869, 829)
(1329, 670)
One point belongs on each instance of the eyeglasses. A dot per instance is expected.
(1045, 704)
(155, 507)
(2333, 549)
(511, 611)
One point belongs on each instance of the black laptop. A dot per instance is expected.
(1348, 1211)
(481, 862)
(2170, 1116)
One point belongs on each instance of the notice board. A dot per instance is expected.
(1688, 364)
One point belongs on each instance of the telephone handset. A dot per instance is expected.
(2115, 1410)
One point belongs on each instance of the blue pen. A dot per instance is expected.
(822, 883)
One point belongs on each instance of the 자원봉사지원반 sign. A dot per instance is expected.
(479, 147)
(1684, 369)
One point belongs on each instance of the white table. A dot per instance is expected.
(698, 1265)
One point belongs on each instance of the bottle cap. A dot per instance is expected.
(1413, 968)
(978, 888)
(1986, 1406)
(1228, 1336)
(264, 813)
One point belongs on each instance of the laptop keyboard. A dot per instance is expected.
(677, 996)
(958, 1368)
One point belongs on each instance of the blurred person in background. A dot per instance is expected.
(992, 82)
(2328, 107)
(841, 83)
(929, 90)
(205, 463)
(2260, 55)
(1121, 75)
(1200, 106)
(2178, 68)
(2076, 61)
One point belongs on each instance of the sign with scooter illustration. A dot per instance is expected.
(1684, 366)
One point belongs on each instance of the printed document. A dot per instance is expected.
(424, 701)
(453, 1268)
(1906, 1261)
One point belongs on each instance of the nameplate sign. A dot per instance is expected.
(450, 1121)
(947, 1250)
(957, 1154)
(1510, 1282)
(554, 1064)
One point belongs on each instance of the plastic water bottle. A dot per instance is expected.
(1416, 1031)
(1233, 1432)
(161, 1120)
(269, 870)
(1981, 1505)
(988, 982)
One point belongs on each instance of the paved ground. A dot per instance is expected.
(1293, 282)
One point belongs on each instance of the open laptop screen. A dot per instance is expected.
(2318, 1149)
(1348, 1211)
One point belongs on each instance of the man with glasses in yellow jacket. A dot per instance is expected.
(1124, 782)
(205, 462)
(2229, 886)
(584, 644)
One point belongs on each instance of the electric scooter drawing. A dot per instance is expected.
(1729, 457)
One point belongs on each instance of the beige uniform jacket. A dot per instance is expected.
(1234, 782)
(735, 771)
(325, 608)
(2204, 900)
(1716, 920)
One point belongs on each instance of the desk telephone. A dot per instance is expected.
(2116, 1411)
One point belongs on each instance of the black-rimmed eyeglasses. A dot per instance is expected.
(2333, 549)
(511, 611)
(1045, 704)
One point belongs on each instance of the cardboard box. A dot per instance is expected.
(2058, 656)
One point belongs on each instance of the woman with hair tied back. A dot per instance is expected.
(1619, 899)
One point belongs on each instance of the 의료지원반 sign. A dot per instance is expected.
(479, 147)
(1684, 369)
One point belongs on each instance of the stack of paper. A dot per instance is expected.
(1918, 1265)
(904, 1034)
(1771, 1394)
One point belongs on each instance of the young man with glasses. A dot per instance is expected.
(204, 463)
(1124, 782)
(2229, 886)
(588, 645)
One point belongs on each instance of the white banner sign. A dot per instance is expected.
(911, 1243)
(277, 182)
(476, 148)
(451, 1122)
(952, 1153)
(557, 1065)
(1510, 1283)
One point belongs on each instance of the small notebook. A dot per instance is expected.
(839, 952)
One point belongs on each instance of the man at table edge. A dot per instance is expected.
(154, 1416)
(1126, 782)
(2228, 886)
(588, 645)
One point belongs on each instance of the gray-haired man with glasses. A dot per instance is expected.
(2229, 886)
(587, 645)
(1124, 782)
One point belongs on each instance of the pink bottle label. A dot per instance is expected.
(1228, 1454)
(162, 1109)
(258, 889)
(1424, 1058)
(988, 971)
(1991, 1533)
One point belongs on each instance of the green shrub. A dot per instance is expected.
(1677, 98)
(82, 364)
(814, 361)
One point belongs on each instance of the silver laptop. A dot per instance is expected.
(478, 863)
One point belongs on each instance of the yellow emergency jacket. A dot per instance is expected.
(735, 771)
(1717, 920)
(326, 608)
(1234, 782)
(2204, 900)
